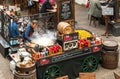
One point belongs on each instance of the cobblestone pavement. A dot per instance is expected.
(82, 22)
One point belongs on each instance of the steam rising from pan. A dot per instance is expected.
(46, 39)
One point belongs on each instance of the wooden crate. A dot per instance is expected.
(87, 75)
(63, 77)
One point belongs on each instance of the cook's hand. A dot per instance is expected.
(32, 42)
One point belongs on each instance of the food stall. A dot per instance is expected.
(68, 62)
(62, 51)
(73, 60)
(77, 51)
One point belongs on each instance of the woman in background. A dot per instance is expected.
(95, 10)
(46, 6)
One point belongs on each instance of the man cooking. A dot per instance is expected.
(30, 30)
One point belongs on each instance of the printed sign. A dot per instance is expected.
(107, 11)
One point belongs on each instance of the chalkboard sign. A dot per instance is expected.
(65, 10)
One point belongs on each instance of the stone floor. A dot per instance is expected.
(82, 22)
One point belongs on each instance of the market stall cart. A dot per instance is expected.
(70, 63)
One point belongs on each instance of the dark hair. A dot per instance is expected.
(47, 0)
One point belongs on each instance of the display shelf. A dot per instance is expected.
(69, 55)
(61, 56)
(59, 53)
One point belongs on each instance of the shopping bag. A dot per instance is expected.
(87, 4)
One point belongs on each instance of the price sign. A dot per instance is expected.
(70, 37)
(107, 11)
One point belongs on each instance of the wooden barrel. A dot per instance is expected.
(109, 59)
(30, 75)
(110, 45)
(24, 69)
(64, 28)
(25, 72)
(110, 54)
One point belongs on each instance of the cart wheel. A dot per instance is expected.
(90, 64)
(52, 72)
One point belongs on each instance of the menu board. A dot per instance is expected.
(65, 10)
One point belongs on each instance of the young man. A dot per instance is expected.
(30, 30)
(13, 28)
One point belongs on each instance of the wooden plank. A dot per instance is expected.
(87, 75)
(63, 77)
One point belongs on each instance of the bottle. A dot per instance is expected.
(46, 53)
(89, 43)
(93, 36)
(92, 42)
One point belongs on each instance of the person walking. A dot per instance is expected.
(95, 11)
